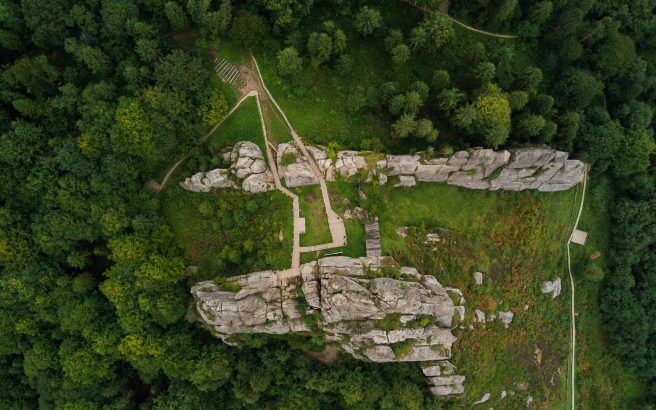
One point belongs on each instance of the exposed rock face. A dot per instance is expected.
(247, 159)
(506, 317)
(552, 287)
(544, 169)
(257, 183)
(349, 163)
(445, 386)
(204, 181)
(405, 180)
(297, 174)
(483, 399)
(478, 278)
(526, 168)
(350, 305)
(247, 162)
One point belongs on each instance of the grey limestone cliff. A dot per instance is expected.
(371, 317)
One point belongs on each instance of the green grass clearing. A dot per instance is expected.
(312, 209)
(243, 125)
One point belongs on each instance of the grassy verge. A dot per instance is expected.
(238, 233)
(243, 125)
(603, 382)
(517, 241)
(278, 132)
(316, 223)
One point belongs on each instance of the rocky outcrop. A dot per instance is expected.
(247, 163)
(247, 159)
(544, 169)
(478, 278)
(204, 181)
(552, 287)
(352, 301)
(256, 183)
(299, 173)
(483, 399)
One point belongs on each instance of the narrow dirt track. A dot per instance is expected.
(571, 279)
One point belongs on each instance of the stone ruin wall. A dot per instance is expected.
(543, 169)
(349, 304)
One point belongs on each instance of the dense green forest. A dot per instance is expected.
(96, 96)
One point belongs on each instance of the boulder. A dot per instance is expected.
(487, 159)
(380, 353)
(458, 159)
(570, 174)
(483, 399)
(506, 317)
(552, 287)
(445, 386)
(528, 157)
(382, 179)
(405, 180)
(256, 183)
(478, 278)
(480, 316)
(438, 368)
(342, 265)
(248, 149)
(310, 275)
(297, 174)
(472, 179)
(204, 181)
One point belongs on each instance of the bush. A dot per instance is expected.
(593, 273)
(287, 159)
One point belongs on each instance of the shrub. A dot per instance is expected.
(593, 273)
(287, 159)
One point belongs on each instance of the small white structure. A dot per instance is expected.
(579, 237)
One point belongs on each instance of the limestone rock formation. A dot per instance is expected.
(483, 399)
(351, 300)
(299, 173)
(552, 287)
(262, 182)
(506, 317)
(204, 181)
(247, 163)
(478, 278)
(247, 159)
(543, 169)
(406, 180)
(349, 163)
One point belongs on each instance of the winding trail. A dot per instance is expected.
(335, 222)
(571, 279)
(159, 187)
(464, 25)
